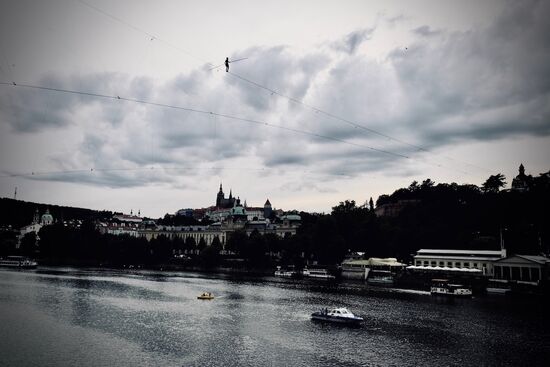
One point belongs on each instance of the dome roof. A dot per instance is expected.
(46, 217)
(238, 210)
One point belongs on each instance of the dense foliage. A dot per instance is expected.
(425, 215)
(19, 213)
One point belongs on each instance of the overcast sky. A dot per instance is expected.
(336, 100)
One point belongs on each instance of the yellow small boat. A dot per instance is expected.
(206, 295)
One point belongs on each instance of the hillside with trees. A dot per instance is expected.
(422, 215)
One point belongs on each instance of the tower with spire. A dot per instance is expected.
(222, 202)
(268, 210)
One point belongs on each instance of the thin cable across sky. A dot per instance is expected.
(188, 109)
(279, 94)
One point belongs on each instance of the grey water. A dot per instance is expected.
(79, 317)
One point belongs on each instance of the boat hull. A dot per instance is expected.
(499, 291)
(463, 293)
(317, 316)
(18, 264)
(384, 282)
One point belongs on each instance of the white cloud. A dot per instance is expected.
(447, 87)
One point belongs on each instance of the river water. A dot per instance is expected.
(78, 317)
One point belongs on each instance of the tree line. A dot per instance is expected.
(426, 215)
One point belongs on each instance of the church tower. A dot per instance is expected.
(267, 209)
(220, 197)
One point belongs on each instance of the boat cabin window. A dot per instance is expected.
(466, 265)
(475, 265)
(441, 263)
(426, 263)
(457, 264)
(433, 263)
(450, 264)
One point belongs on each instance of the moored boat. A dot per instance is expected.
(381, 278)
(317, 273)
(338, 315)
(498, 286)
(442, 287)
(20, 262)
(285, 273)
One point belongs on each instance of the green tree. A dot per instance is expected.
(190, 243)
(237, 241)
(28, 245)
(202, 244)
(210, 255)
(414, 186)
(427, 183)
(344, 207)
(494, 183)
(216, 244)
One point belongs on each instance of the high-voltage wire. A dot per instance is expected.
(237, 118)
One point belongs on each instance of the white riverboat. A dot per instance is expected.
(380, 278)
(285, 273)
(498, 286)
(317, 273)
(442, 287)
(20, 262)
(338, 315)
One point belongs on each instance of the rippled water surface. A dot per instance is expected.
(75, 317)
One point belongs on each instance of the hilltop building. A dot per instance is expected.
(229, 214)
(393, 209)
(222, 202)
(522, 182)
(37, 223)
(122, 224)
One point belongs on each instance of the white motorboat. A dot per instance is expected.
(338, 315)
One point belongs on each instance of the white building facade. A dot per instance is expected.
(466, 261)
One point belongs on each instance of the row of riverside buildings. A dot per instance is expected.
(495, 269)
(226, 216)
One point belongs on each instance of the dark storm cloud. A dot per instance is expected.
(33, 110)
(115, 179)
(278, 69)
(353, 40)
(426, 31)
(445, 88)
(481, 84)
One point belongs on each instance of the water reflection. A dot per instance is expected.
(76, 314)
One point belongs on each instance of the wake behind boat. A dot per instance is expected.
(338, 315)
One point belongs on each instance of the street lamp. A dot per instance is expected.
(502, 249)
